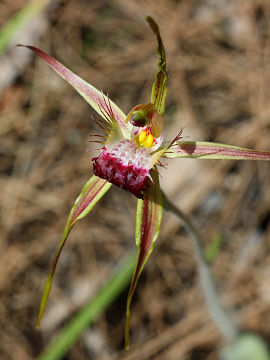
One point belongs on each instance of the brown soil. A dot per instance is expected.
(218, 90)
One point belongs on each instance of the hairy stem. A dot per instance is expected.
(212, 300)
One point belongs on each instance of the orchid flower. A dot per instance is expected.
(131, 150)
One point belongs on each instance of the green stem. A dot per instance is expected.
(212, 300)
(87, 315)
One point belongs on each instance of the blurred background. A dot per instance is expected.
(218, 54)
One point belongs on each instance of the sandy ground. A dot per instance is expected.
(218, 90)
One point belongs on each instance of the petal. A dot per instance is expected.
(91, 193)
(209, 150)
(149, 214)
(159, 89)
(95, 98)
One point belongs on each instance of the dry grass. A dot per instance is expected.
(218, 89)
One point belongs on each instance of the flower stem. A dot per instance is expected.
(212, 300)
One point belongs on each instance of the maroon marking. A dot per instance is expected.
(127, 177)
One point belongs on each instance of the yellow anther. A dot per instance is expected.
(142, 137)
(148, 142)
(146, 139)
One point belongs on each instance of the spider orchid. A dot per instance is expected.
(131, 148)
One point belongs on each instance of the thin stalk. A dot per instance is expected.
(212, 299)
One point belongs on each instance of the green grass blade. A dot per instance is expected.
(213, 249)
(15, 24)
(88, 314)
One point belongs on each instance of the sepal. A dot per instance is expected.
(91, 193)
(209, 150)
(148, 219)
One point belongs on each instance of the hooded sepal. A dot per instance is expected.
(148, 219)
(159, 89)
(91, 193)
(209, 150)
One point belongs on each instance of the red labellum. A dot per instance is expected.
(125, 166)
